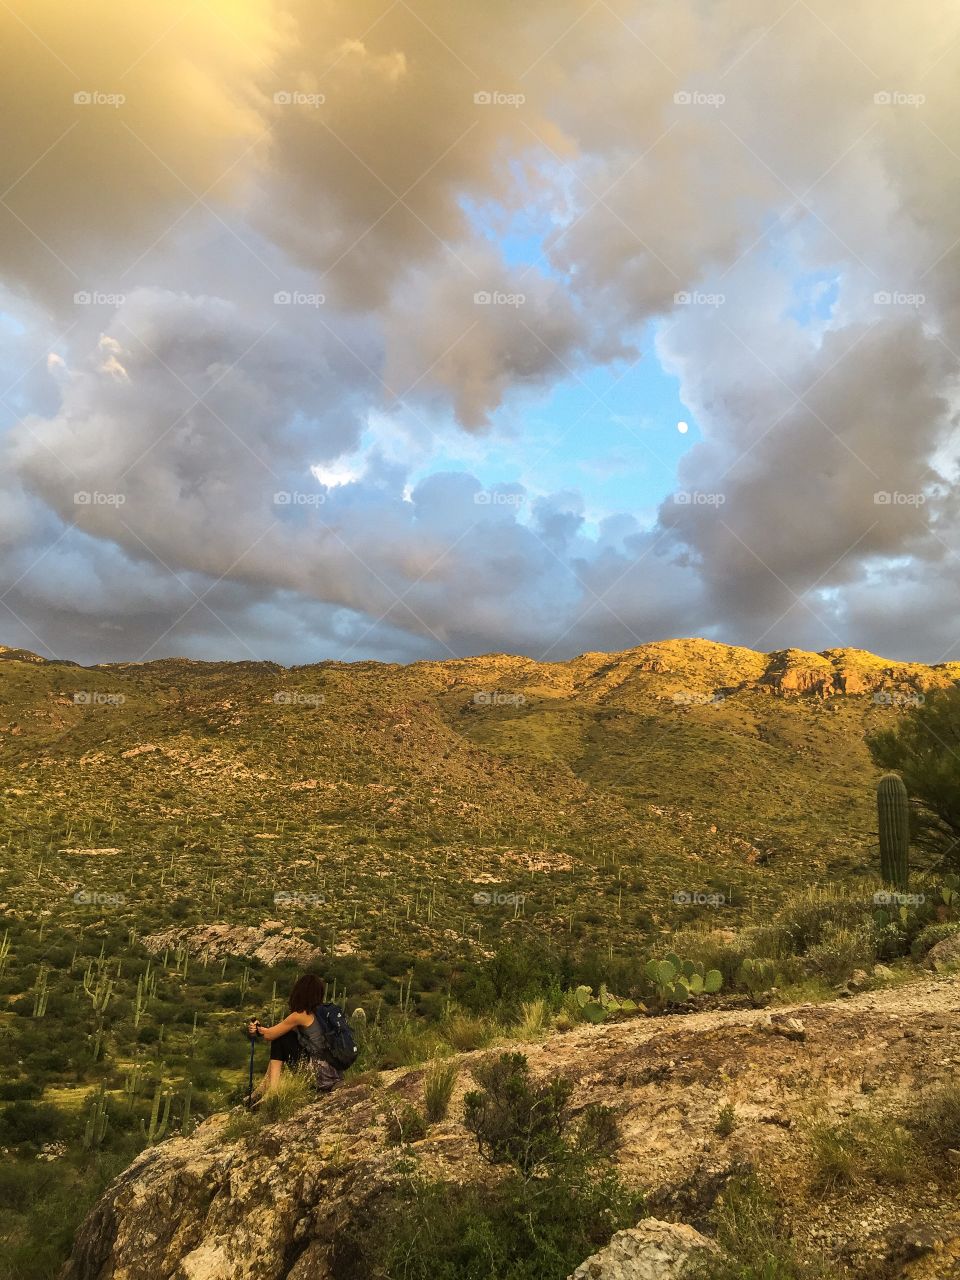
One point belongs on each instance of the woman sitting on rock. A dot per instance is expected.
(314, 1037)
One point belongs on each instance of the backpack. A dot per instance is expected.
(330, 1034)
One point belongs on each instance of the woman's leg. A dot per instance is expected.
(271, 1075)
(285, 1049)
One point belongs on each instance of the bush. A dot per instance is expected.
(599, 1131)
(465, 1032)
(520, 1229)
(514, 1119)
(814, 916)
(936, 1120)
(404, 1123)
(34, 1122)
(13, 1090)
(438, 1086)
(841, 951)
(863, 1147)
(753, 1237)
(929, 937)
(922, 749)
(294, 1090)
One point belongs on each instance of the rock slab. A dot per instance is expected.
(654, 1250)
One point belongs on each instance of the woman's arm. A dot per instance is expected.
(273, 1033)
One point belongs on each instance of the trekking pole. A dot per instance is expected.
(253, 1045)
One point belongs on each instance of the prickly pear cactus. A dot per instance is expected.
(674, 980)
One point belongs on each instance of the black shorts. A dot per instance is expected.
(286, 1048)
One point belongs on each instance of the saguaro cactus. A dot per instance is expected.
(158, 1122)
(96, 1126)
(893, 816)
(41, 992)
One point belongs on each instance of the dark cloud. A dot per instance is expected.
(283, 234)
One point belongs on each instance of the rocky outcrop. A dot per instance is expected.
(270, 1204)
(851, 673)
(272, 942)
(653, 1250)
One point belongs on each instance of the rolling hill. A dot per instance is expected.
(455, 799)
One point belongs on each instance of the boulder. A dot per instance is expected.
(945, 954)
(653, 1250)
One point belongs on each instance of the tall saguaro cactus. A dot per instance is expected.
(893, 815)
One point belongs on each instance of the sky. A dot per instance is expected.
(403, 329)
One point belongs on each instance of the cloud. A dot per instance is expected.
(237, 235)
(126, 119)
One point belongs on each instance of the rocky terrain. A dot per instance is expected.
(271, 943)
(269, 1205)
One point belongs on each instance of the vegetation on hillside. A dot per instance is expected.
(480, 851)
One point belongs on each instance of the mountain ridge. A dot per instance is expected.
(790, 670)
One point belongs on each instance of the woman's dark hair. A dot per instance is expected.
(308, 991)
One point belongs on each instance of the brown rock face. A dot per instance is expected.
(246, 941)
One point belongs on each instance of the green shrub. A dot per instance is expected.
(466, 1032)
(813, 916)
(438, 1086)
(516, 1120)
(929, 936)
(754, 1239)
(33, 1122)
(936, 1119)
(865, 1146)
(404, 1123)
(520, 1229)
(726, 1120)
(840, 951)
(293, 1090)
(598, 1133)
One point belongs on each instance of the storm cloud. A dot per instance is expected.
(266, 264)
